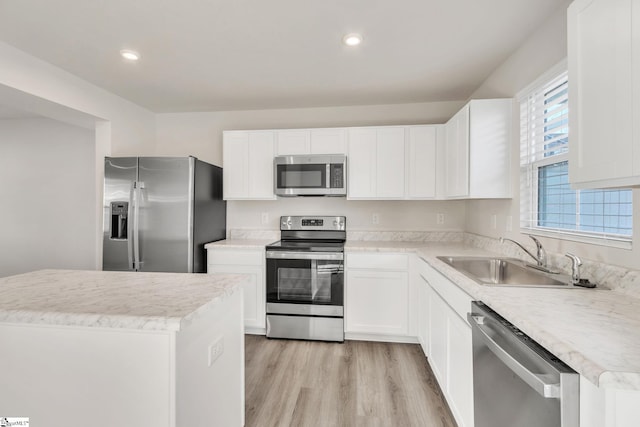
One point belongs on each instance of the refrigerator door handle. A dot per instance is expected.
(130, 232)
(137, 200)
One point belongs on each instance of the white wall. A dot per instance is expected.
(545, 48)
(393, 215)
(47, 175)
(121, 127)
(200, 134)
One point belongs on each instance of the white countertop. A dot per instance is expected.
(594, 331)
(149, 301)
(239, 244)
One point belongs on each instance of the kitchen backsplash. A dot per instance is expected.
(253, 234)
(406, 236)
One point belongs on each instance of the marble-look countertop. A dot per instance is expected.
(239, 244)
(108, 299)
(594, 331)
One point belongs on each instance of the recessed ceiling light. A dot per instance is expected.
(352, 39)
(130, 55)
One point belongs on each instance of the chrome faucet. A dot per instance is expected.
(575, 268)
(541, 254)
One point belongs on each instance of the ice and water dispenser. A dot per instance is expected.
(119, 220)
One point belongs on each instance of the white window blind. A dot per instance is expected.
(547, 202)
(544, 122)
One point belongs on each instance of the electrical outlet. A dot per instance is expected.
(215, 350)
(375, 218)
(265, 218)
(494, 221)
(509, 225)
(440, 218)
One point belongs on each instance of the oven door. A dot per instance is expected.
(309, 278)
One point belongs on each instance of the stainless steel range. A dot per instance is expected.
(305, 279)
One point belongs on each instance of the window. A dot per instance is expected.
(548, 204)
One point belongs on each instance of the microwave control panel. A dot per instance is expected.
(337, 175)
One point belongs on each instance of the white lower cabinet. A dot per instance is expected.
(422, 315)
(607, 406)
(450, 351)
(438, 337)
(245, 261)
(378, 297)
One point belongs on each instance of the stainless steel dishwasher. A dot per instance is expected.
(516, 382)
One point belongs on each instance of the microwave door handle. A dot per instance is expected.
(328, 176)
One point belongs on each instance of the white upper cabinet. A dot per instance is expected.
(421, 161)
(457, 149)
(329, 141)
(390, 158)
(478, 150)
(291, 142)
(247, 158)
(604, 99)
(361, 163)
(376, 163)
(311, 141)
(383, 162)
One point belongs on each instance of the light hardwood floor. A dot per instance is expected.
(358, 383)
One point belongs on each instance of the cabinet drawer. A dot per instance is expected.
(455, 297)
(378, 261)
(235, 257)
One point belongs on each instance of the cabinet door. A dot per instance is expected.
(260, 165)
(390, 158)
(377, 302)
(460, 369)
(235, 172)
(601, 97)
(422, 162)
(423, 314)
(361, 164)
(328, 141)
(489, 155)
(457, 150)
(253, 293)
(292, 142)
(438, 336)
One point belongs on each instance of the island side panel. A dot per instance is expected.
(210, 390)
(67, 376)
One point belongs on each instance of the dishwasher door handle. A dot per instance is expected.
(545, 385)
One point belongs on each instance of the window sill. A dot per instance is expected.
(576, 237)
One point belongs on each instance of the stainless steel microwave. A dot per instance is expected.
(310, 175)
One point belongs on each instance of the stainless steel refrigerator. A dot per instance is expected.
(159, 212)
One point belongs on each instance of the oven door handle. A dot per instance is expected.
(539, 382)
(320, 256)
(330, 268)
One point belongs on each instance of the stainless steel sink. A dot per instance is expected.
(505, 272)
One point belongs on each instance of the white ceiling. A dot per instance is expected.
(207, 55)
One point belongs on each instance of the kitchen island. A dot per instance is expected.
(94, 348)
